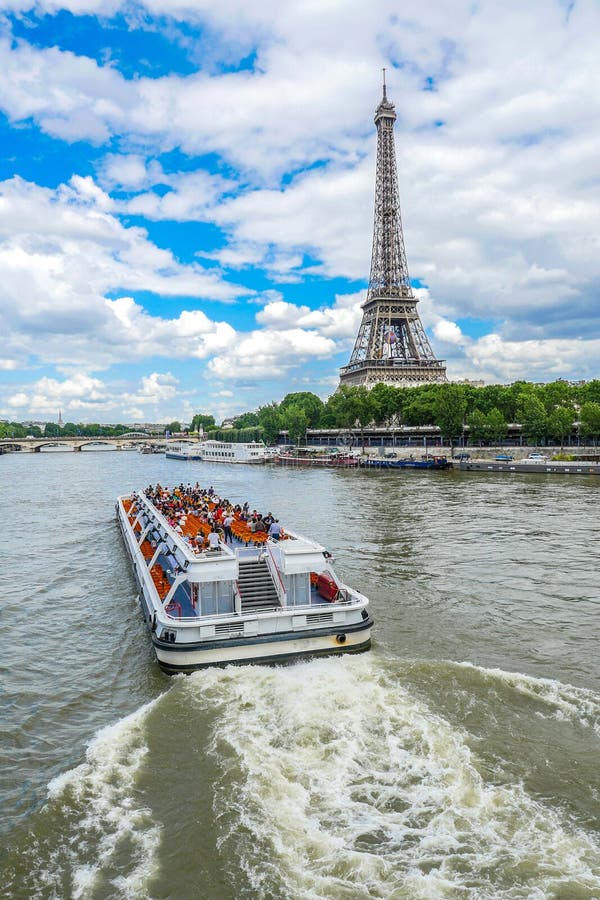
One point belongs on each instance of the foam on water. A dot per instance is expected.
(563, 701)
(99, 835)
(336, 782)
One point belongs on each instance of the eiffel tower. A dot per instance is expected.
(391, 346)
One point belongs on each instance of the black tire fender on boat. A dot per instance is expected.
(340, 638)
(153, 627)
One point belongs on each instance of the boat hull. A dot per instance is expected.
(234, 462)
(174, 658)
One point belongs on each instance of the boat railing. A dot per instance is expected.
(237, 597)
(188, 552)
(276, 575)
(232, 618)
(347, 599)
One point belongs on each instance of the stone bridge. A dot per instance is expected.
(36, 445)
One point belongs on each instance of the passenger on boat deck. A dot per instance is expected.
(227, 523)
(275, 530)
(213, 540)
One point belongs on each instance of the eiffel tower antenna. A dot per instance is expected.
(391, 346)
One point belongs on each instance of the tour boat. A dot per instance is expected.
(315, 456)
(255, 600)
(183, 451)
(232, 452)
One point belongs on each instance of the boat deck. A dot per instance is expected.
(247, 546)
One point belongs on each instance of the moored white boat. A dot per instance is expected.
(183, 451)
(233, 452)
(256, 599)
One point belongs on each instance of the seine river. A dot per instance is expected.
(460, 758)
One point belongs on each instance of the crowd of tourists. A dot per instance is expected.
(213, 519)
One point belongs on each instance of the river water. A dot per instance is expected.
(459, 758)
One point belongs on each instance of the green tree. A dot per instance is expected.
(449, 408)
(531, 413)
(494, 396)
(477, 422)
(173, 427)
(588, 392)
(555, 393)
(387, 402)
(367, 409)
(246, 420)
(344, 406)
(560, 423)
(51, 429)
(309, 402)
(271, 422)
(420, 405)
(496, 426)
(589, 420)
(202, 421)
(295, 421)
(17, 430)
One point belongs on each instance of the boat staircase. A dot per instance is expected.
(256, 586)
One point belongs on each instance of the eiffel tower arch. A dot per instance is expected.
(391, 346)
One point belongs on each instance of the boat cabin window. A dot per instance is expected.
(298, 589)
(216, 598)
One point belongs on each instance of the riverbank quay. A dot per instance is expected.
(581, 454)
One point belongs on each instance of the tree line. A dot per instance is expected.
(545, 412)
(69, 429)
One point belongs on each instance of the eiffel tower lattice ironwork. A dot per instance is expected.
(391, 346)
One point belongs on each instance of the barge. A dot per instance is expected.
(309, 457)
(259, 598)
(429, 462)
(530, 466)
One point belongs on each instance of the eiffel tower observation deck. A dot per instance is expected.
(391, 347)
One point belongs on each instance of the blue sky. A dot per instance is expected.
(186, 195)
